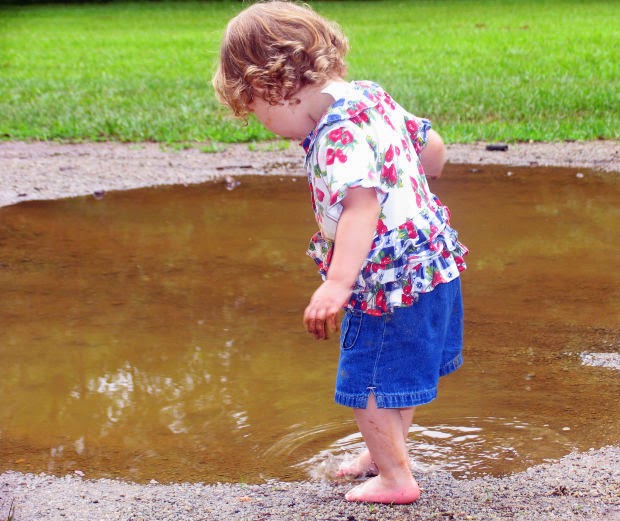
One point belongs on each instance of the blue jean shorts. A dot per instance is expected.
(400, 356)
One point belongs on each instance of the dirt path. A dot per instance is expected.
(43, 170)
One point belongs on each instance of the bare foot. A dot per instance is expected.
(360, 467)
(376, 490)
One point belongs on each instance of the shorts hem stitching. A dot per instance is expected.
(452, 365)
(387, 401)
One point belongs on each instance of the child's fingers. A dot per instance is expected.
(311, 322)
(319, 325)
(318, 329)
(331, 324)
(316, 323)
(321, 330)
(312, 326)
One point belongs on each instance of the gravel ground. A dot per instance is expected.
(44, 170)
(580, 486)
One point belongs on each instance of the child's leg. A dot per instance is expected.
(383, 431)
(363, 465)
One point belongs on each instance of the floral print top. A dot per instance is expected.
(365, 139)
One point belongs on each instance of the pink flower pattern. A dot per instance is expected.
(366, 139)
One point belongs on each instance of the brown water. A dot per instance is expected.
(156, 333)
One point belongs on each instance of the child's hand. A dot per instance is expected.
(356, 228)
(320, 317)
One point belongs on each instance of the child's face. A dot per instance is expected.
(290, 120)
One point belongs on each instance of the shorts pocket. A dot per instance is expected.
(350, 329)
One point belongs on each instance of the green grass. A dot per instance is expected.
(481, 70)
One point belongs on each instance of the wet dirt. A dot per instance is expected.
(156, 333)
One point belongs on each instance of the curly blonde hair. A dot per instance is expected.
(272, 49)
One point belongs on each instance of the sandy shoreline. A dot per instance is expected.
(579, 486)
(45, 170)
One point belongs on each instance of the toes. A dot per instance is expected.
(353, 494)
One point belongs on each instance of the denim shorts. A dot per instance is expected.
(400, 356)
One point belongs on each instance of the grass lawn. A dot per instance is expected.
(481, 70)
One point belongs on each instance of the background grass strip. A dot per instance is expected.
(481, 70)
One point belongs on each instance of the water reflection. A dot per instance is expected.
(156, 333)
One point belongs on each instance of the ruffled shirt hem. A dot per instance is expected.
(387, 281)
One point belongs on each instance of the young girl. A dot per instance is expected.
(385, 248)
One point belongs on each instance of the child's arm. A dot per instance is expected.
(354, 234)
(433, 156)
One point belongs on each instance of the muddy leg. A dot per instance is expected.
(363, 465)
(383, 431)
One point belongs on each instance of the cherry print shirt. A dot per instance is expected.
(365, 139)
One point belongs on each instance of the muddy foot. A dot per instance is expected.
(361, 466)
(375, 490)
